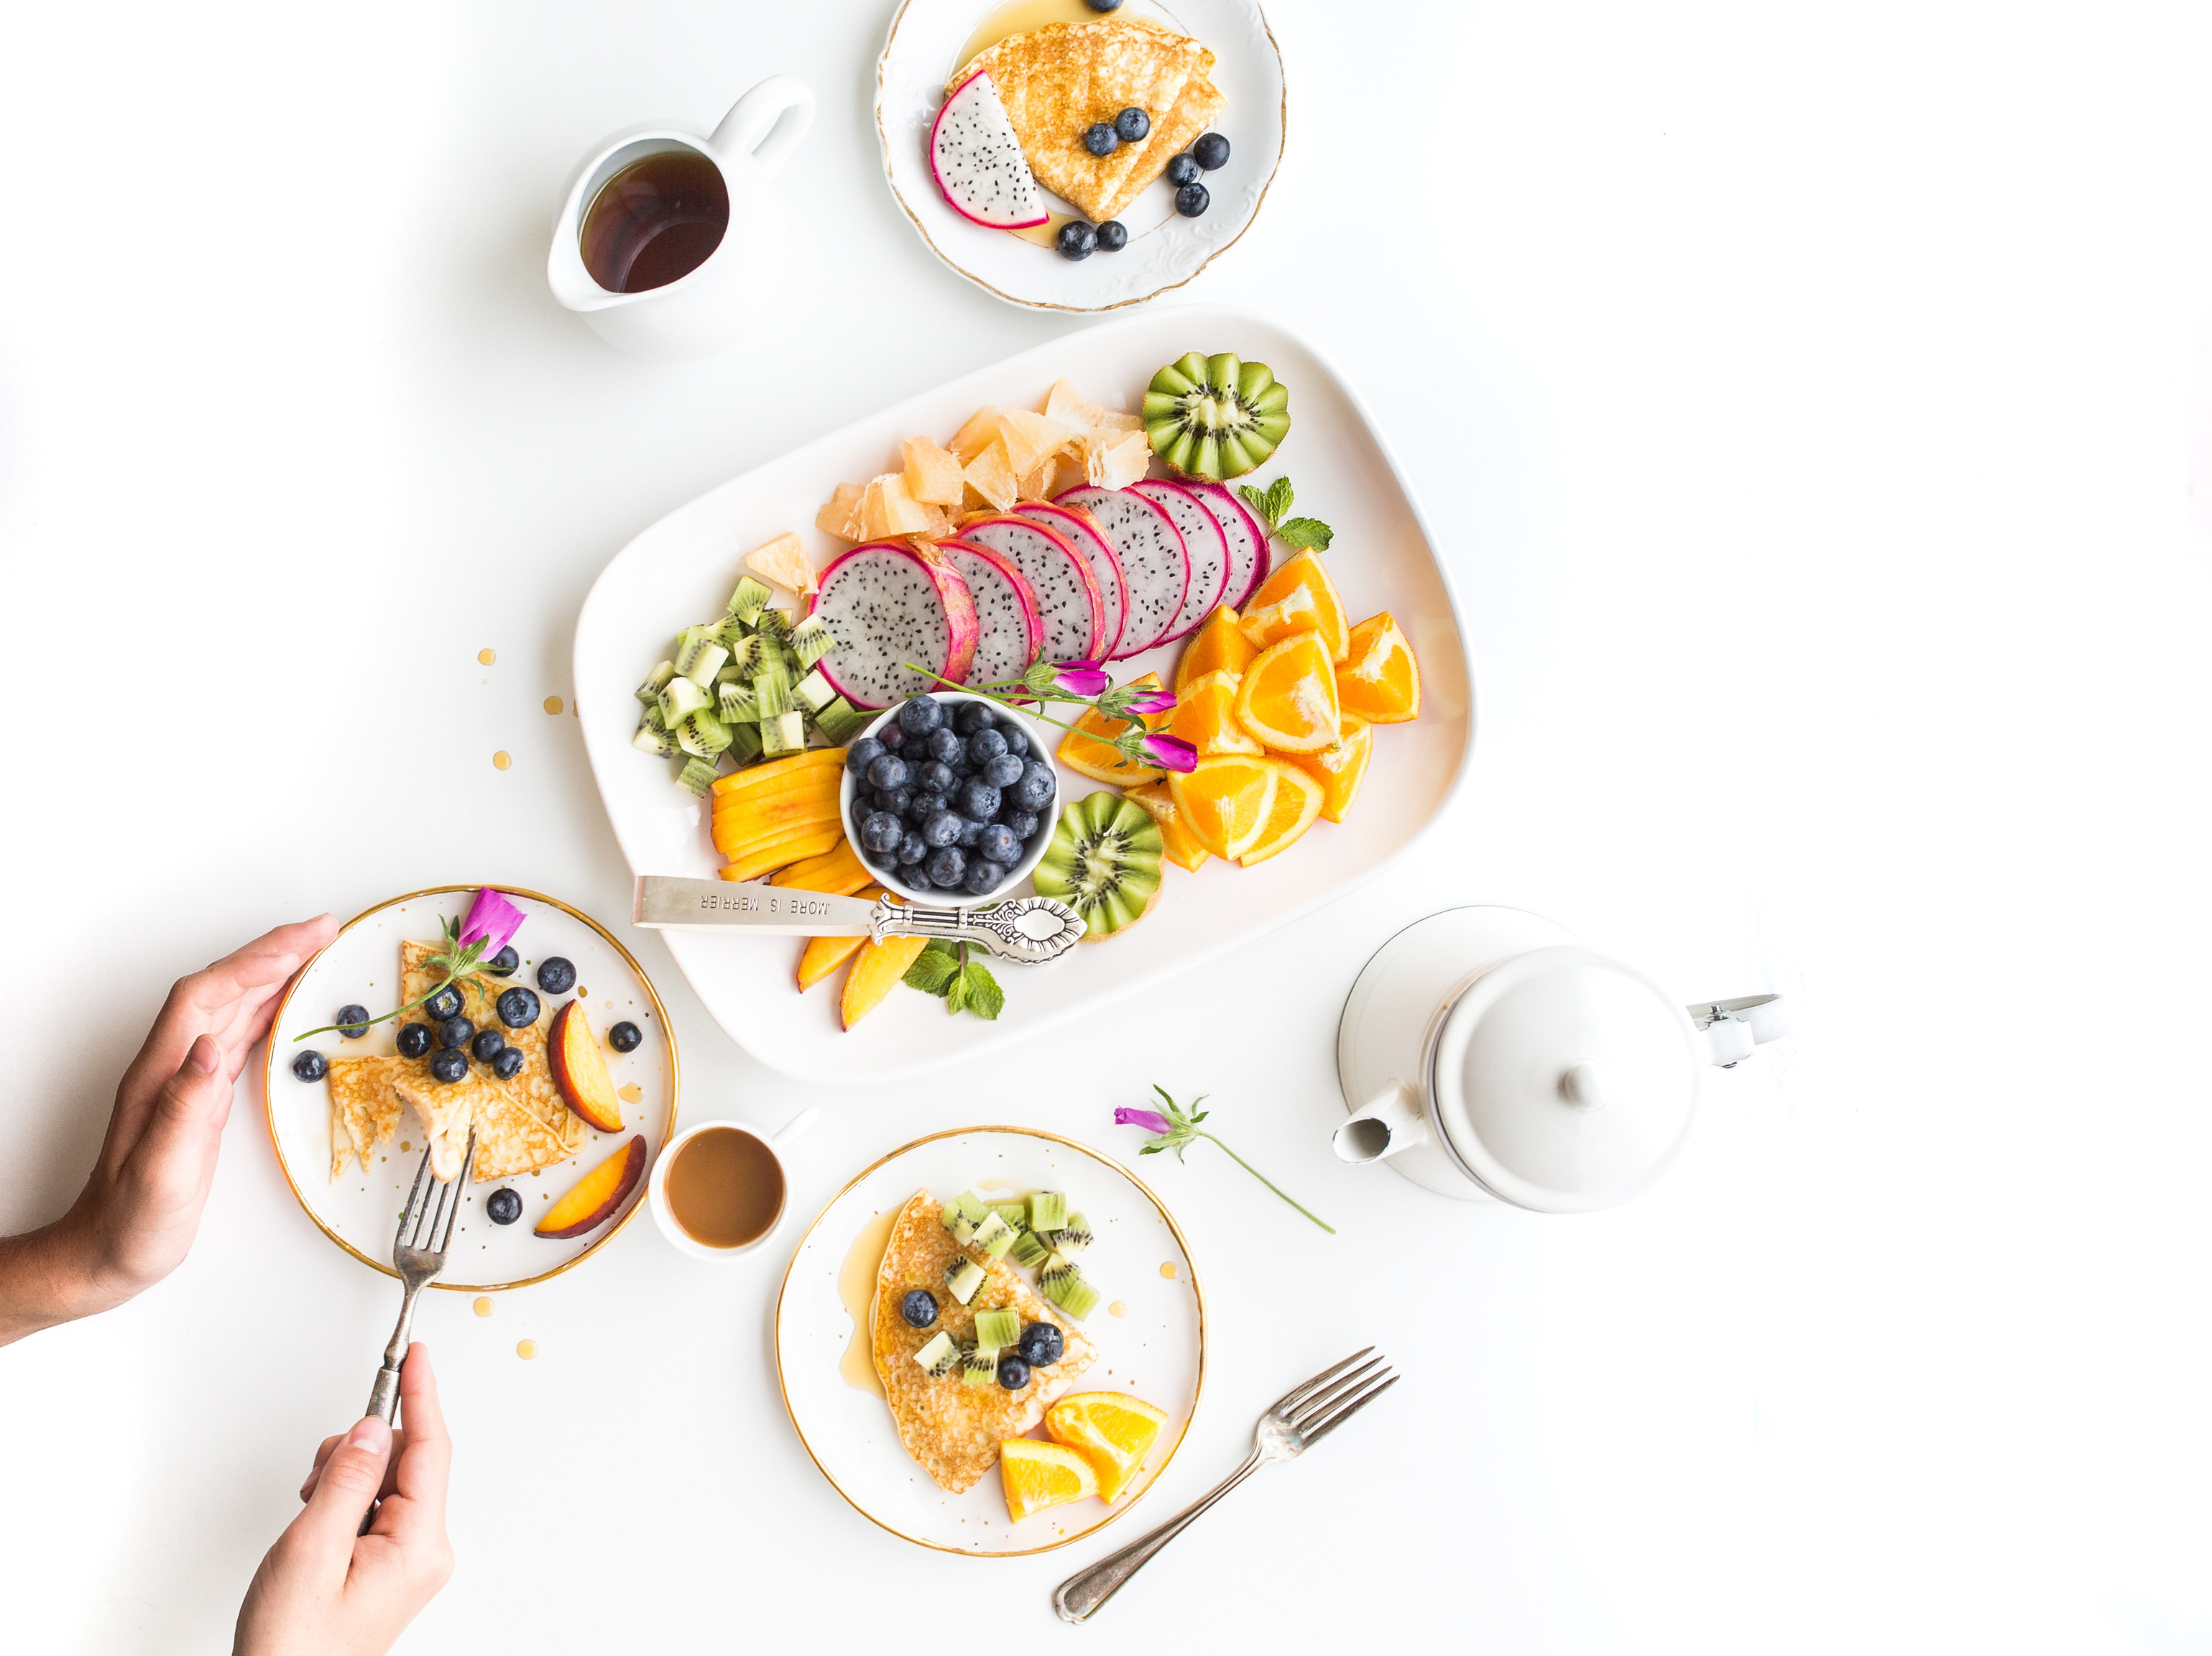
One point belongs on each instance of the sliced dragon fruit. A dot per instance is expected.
(1249, 559)
(1009, 632)
(1067, 595)
(1078, 530)
(1207, 547)
(1155, 567)
(978, 161)
(887, 604)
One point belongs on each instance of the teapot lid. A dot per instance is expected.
(1565, 1080)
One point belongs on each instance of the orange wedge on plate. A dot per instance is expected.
(1216, 647)
(1299, 597)
(1287, 696)
(1040, 1475)
(1340, 770)
(1379, 678)
(1176, 840)
(1226, 800)
(1205, 715)
(1112, 1430)
(1295, 808)
(1089, 751)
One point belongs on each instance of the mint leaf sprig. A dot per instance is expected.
(943, 969)
(1273, 504)
(457, 960)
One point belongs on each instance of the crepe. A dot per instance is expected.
(951, 1428)
(1058, 81)
(363, 1107)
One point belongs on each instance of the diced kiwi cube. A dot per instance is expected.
(939, 1355)
(1001, 1326)
(784, 734)
(993, 1236)
(1048, 1210)
(962, 1278)
(1028, 1249)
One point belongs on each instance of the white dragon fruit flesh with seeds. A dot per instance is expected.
(886, 603)
(1076, 529)
(1155, 568)
(1204, 544)
(978, 161)
(1249, 559)
(1009, 634)
(1067, 596)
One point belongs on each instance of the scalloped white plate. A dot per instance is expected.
(1164, 252)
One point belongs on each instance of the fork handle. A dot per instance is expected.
(1080, 1594)
(384, 1396)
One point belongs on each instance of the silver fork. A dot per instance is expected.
(1302, 1418)
(419, 1254)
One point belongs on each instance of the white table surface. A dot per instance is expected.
(1817, 409)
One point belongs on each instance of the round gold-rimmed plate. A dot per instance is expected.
(359, 1209)
(929, 39)
(1150, 1330)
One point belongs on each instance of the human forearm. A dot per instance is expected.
(43, 1280)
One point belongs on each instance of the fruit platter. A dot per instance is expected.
(1064, 625)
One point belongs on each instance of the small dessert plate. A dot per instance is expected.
(1150, 1330)
(359, 1210)
(930, 39)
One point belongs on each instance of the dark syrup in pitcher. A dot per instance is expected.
(656, 220)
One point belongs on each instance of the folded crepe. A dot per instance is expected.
(363, 1107)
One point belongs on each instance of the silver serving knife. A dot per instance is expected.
(1027, 929)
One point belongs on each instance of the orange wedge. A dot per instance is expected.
(1216, 647)
(1040, 1475)
(1340, 770)
(1089, 751)
(1379, 678)
(1176, 840)
(1295, 808)
(1287, 696)
(1205, 715)
(1226, 800)
(1299, 597)
(1112, 1430)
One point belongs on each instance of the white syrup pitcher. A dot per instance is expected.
(721, 295)
(1484, 1052)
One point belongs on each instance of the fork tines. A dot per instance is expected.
(1334, 1395)
(428, 1225)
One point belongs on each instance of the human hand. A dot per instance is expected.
(140, 1207)
(326, 1589)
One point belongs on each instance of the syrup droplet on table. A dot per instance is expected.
(552, 703)
(526, 1349)
(487, 657)
(483, 1305)
(499, 761)
(1119, 1309)
(1168, 1270)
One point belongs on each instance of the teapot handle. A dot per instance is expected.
(782, 102)
(1730, 1029)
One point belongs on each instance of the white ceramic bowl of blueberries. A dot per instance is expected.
(968, 785)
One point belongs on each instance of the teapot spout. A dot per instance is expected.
(1393, 1120)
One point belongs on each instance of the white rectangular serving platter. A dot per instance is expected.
(682, 569)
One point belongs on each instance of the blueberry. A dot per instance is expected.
(1077, 240)
(456, 1033)
(502, 1207)
(971, 831)
(503, 963)
(1212, 150)
(958, 756)
(509, 1064)
(1004, 771)
(862, 754)
(1034, 791)
(1020, 823)
(556, 975)
(945, 741)
(624, 1037)
(1041, 1345)
(983, 876)
(936, 775)
(977, 799)
(920, 716)
(1013, 1373)
(918, 876)
(912, 849)
(488, 1045)
(1191, 200)
(1102, 140)
(918, 1307)
(947, 867)
(999, 844)
(889, 771)
(1103, 5)
(926, 805)
(881, 832)
(1015, 739)
(414, 1040)
(517, 1008)
(892, 738)
(1182, 170)
(940, 830)
(1131, 124)
(352, 1021)
(897, 801)
(446, 1003)
(972, 717)
(449, 1066)
(310, 1066)
(987, 745)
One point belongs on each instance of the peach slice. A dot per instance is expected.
(572, 1052)
(593, 1198)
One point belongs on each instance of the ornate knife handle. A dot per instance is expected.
(1027, 929)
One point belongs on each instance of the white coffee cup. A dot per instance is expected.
(657, 1187)
(728, 293)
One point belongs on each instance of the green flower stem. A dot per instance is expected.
(975, 690)
(457, 967)
(1200, 1132)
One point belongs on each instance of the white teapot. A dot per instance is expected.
(1486, 1053)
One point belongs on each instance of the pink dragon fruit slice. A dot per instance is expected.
(1076, 529)
(978, 161)
(1155, 567)
(1249, 558)
(1067, 595)
(1204, 545)
(1009, 632)
(887, 604)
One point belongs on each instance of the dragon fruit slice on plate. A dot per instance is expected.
(1249, 558)
(1205, 544)
(1009, 633)
(1155, 568)
(1076, 529)
(1067, 595)
(887, 604)
(978, 161)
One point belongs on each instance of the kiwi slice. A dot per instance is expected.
(679, 699)
(1029, 1249)
(938, 1356)
(1061, 1282)
(1048, 1210)
(840, 721)
(697, 777)
(1016, 1214)
(993, 1236)
(1071, 1239)
(1215, 416)
(749, 598)
(785, 733)
(1104, 863)
(655, 682)
(651, 741)
(998, 1328)
(962, 1278)
(980, 1366)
